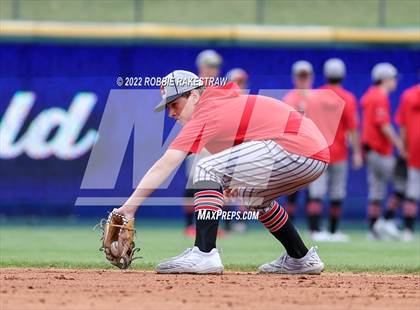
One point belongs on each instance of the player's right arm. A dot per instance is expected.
(352, 121)
(403, 136)
(357, 152)
(391, 135)
(153, 178)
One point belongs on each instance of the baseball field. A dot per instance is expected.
(62, 58)
(55, 266)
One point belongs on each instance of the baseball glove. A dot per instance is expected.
(118, 240)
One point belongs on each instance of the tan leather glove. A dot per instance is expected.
(118, 240)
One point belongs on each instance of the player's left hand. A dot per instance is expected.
(118, 239)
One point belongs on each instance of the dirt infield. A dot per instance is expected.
(105, 289)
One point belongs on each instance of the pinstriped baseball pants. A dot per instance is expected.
(261, 171)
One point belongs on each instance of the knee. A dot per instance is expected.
(204, 172)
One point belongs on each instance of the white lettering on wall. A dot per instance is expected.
(34, 141)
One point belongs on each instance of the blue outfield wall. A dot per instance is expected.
(55, 73)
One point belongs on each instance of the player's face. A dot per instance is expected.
(303, 80)
(242, 83)
(209, 71)
(183, 108)
(391, 84)
(176, 107)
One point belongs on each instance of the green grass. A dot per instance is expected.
(76, 247)
(277, 12)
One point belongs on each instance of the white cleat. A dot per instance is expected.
(407, 235)
(386, 229)
(309, 264)
(320, 236)
(192, 260)
(339, 237)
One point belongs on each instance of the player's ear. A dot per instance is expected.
(196, 95)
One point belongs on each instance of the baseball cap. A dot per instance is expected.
(302, 66)
(334, 68)
(208, 58)
(175, 84)
(236, 74)
(383, 70)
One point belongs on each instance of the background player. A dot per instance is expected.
(334, 180)
(208, 64)
(408, 117)
(378, 138)
(238, 76)
(298, 98)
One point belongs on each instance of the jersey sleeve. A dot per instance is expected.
(196, 133)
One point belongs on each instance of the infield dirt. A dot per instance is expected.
(106, 289)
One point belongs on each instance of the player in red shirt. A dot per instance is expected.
(334, 181)
(261, 149)
(299, 98)
(378, 139)
(408, 117)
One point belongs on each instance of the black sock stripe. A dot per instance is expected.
(272, 215)
(278, 221)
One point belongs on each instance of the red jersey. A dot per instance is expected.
(408, 116)
(376, 112)
(224, 117)
(348, 120)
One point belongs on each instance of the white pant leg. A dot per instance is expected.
(413, 184)
(262, 170)
(380, 169)
(338, 180)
